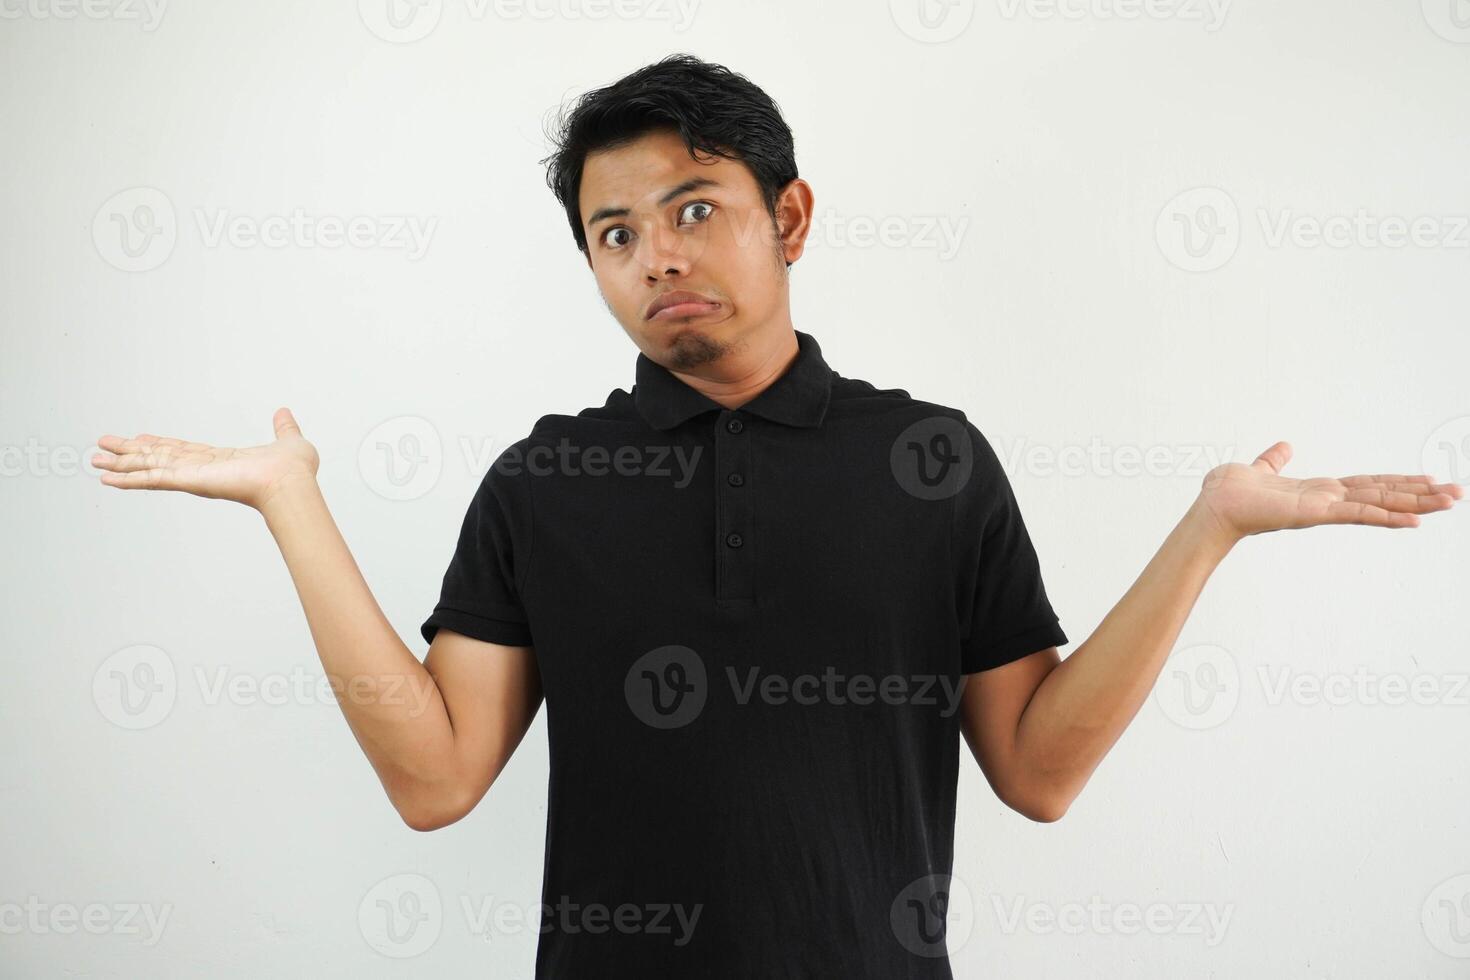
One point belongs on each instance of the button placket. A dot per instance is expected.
(735, 509)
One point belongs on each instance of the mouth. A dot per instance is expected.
(679, 310)
(679, 304)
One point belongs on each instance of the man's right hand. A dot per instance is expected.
(251, 476)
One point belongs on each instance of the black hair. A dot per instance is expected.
(714, 110)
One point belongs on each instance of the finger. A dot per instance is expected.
(1362, 479)
(148, 479)
(142, 442)
(1352, 512)
(1418, 503)
(285, 423)
(160, 459)
(1421, 489)
(1274, 458)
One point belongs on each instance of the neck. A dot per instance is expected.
(748, 373)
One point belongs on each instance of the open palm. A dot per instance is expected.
(250, 475)
(1255, 498)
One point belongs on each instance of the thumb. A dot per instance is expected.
(285, 423)
(1274, 458)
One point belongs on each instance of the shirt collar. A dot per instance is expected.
(798, 397)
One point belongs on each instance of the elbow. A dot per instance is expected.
(1039, 806)
(431, 813)
(1048, 812)
(425, 820)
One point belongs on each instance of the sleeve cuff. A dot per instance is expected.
(985, 656)
(503, 631)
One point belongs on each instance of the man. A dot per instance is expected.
(762, 601)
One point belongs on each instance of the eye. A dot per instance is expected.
(606, 235)
(610, 231)
(698, 204)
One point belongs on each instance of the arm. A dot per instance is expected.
(1039, 727)
(437, 733)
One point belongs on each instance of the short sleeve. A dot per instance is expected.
(481, 592)
(1001, 602)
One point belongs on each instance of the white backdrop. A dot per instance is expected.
(1129, 240)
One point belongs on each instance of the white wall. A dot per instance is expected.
(1067, 313)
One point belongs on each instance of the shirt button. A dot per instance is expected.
(734, 540)
(736, 480)
(734, 425)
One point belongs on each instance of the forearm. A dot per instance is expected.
(391, 702)
(1083, 706)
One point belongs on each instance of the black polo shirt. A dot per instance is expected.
(751, 626)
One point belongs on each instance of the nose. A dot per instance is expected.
(661, 253)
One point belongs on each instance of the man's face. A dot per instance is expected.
(715, 240)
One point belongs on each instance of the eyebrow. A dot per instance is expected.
(694, 183)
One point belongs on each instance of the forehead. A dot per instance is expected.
(636, 175)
